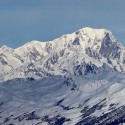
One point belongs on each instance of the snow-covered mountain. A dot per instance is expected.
(86, 47)
(75, 79)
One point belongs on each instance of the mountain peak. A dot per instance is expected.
(89, 29)
(33, 42)
(6, 48)
(91, 32)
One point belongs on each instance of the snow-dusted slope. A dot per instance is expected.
(58, 100)
(77, 79)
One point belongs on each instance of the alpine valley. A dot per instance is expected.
(77, 79)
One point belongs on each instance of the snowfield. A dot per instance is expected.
(77, 79)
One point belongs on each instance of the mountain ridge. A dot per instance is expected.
(86, 29)
(98, 46)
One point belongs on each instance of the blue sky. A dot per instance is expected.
(24, 20)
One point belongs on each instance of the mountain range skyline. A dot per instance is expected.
(5, 45)
(43, 20)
